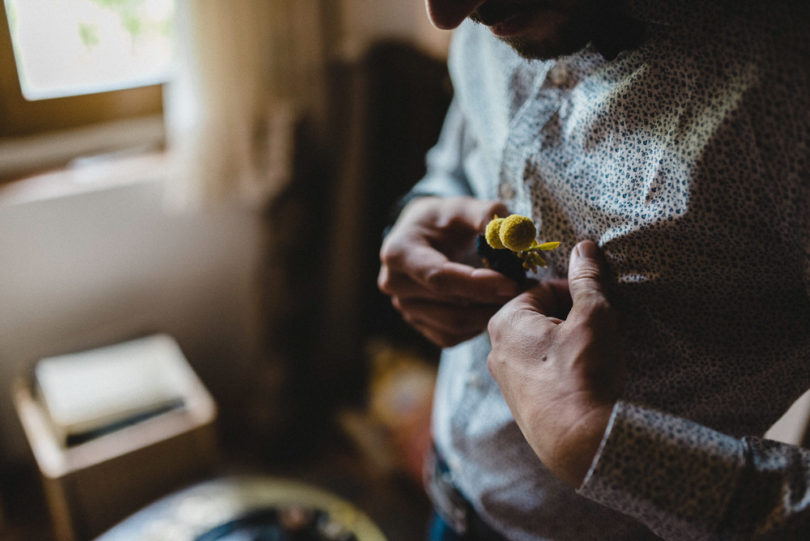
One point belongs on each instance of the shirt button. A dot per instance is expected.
(558, 76)
(506, 191)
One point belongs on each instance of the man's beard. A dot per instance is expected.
(534, 49)
(573, 32)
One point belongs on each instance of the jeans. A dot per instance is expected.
(439, 530)
(453, 513)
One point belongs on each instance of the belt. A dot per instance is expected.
(451, 505)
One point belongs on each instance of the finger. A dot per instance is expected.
(475, 213)
(540, 298)
(449, 281)
(448, 318)
(522, 316)
(467, 212)
(397, 284)
(482, 286)
(433, 271)
(411, 251)
(585, 276)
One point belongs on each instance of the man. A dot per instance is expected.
(629, 399)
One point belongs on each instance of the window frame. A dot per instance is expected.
(22, 119)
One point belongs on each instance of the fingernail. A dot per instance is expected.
(587, 248)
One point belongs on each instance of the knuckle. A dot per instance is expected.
(586, 275)
(493, 327)
(495, 363)
(453, 221)
(599, 308)
(596, 315)
(384, 281)
(436, 280)
(491, 364)
(495, 321)
(393, 250)
(588, 271)
(503, 320)
(606, 318)
(389, 255)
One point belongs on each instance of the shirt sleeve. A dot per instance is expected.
(444, 175)
(688, 482)
(445, 161)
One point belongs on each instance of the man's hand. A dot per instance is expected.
(429, 268)
(560, 378)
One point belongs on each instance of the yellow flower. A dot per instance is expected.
(512, 240)
(517, 232)
(492, 232)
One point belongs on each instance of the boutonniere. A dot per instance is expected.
(508, 245)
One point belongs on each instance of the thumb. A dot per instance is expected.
(585, 274)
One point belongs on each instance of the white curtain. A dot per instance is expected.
(247, 71)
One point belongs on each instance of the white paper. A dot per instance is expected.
(91, 389)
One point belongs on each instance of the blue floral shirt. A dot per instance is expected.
(687, 160)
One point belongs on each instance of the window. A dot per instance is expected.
(75, 63)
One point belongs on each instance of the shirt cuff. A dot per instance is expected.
(674, 475)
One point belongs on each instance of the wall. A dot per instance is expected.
(364, 21)
(106, 263)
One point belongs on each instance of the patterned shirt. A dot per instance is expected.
(687, 159)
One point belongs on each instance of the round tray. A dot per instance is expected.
(247, 508)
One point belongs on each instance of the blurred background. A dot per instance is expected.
(221, 172)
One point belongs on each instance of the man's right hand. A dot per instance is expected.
(430, 268)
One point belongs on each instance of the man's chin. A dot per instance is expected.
(551, 33)
(543, 50)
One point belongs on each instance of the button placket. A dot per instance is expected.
(559, 76)
(511, 187)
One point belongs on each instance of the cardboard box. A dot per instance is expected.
(93, 485)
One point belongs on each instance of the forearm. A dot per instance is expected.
(688, 482)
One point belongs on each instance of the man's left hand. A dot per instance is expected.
(560, 378)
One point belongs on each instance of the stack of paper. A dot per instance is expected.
(93, 391)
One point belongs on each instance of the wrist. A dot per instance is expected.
(577, 445)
